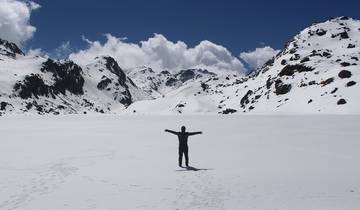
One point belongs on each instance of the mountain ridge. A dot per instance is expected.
(316, 72)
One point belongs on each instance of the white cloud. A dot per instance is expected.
(14, 20)
(62, 51)
(37, 52)
(160, 53)
(259, 56)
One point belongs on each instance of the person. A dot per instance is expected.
(183, 146)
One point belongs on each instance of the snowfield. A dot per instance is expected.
(129, 162)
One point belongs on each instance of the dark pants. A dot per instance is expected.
(183, 150)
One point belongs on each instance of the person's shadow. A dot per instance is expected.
(191, 168)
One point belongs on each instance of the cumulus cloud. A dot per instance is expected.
(62, 51)
(160, 53)
(259, 56)
(14, 20)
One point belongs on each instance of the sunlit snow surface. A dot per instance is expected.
(129, 162)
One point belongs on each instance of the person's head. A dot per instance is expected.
(183, 128)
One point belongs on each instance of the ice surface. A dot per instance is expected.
(129, 162)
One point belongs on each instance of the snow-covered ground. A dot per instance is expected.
(129, 162)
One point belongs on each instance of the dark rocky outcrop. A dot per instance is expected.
(186, 75)
(342, 35)
(351, 83)
(351, 46)
(245, 99)
(114, 68)
(334, 91)
(289, 70)
(204, 86)
(4, 105)
(10, 49)
(67, 76)
(327, 81)
(306, 59)
(165, 72)
(171, 82)
(280, 88)
(32, 85)
(344, 74)
(103, 83)
(229, 111)
(295, 57)
(320, 32)
(126, 98)
(269, 82)
(341, 101)
(345, 64)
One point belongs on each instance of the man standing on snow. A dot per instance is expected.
(183, 146)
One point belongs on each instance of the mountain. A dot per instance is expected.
(105, 81)
(9, 49)
(155, 84)
(161, 83)
(33, 84)
(316, 72)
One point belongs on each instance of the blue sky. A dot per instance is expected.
(224, 35)
(237, 25)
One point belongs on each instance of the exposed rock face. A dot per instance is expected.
(245, 99)
(32, 86)
(229, 111)
(189, 74)
(289, 70)
(9, 49)
(112, 81)
(67, 76)
(114, 67)
(351, 83)
(5, 105)
(103, 84)
(327, 81)
(341, 101)
(52, 86)
(344, 74)
(186, 75)
(280, 88)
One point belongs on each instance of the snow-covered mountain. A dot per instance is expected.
(155, 84)
(317, 72)
(161, 83)
(41, 85)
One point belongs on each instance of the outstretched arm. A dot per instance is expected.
(170, 131)
(194, 133)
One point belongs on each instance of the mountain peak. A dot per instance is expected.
(9, 49)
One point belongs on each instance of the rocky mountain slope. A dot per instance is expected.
(33, 84)
(159, 84)
(316, 72)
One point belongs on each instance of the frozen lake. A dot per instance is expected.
(129, 162)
